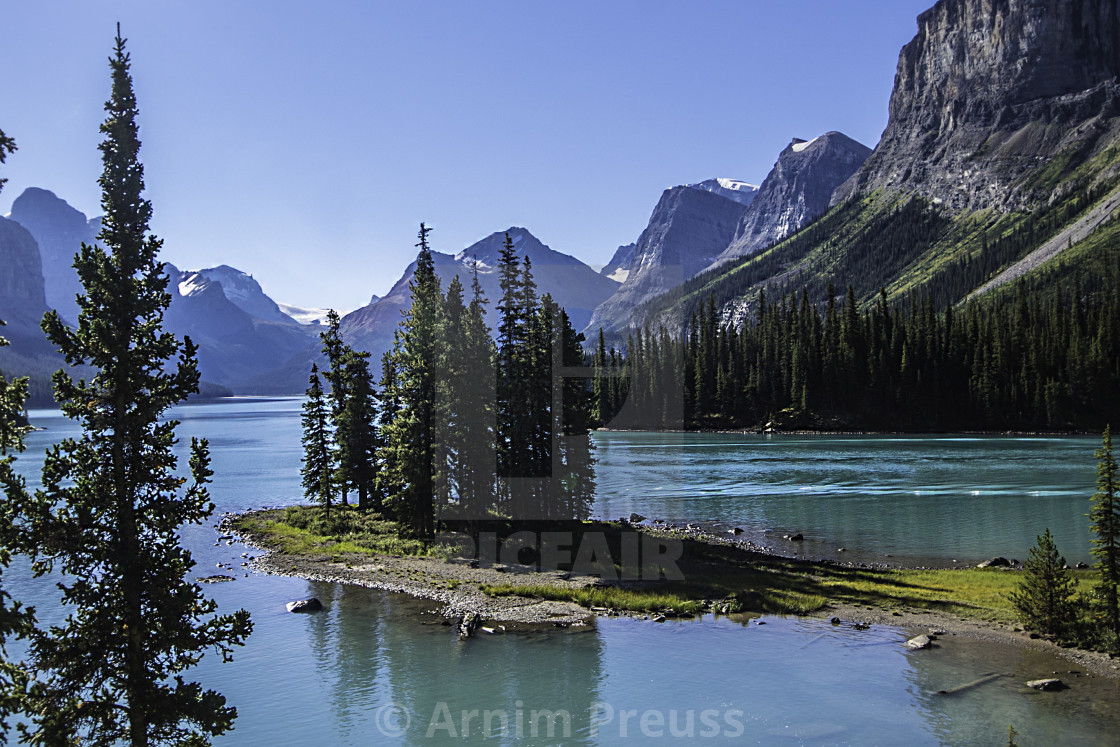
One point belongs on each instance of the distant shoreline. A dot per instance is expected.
(763, 432)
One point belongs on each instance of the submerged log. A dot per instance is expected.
(969, 685)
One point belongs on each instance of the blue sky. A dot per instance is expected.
(303, 142)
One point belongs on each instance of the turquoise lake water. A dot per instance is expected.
(373, 668)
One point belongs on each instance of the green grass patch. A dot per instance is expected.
(718, 575)
(309, 530)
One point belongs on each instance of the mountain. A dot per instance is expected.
(619, 266)
(988, 90)
(240, 331)
(733, 189)
(233, 345)
(1000, 161)
(573, 285)
(244, 292)
(796, 190)
(22, 297)
(59, 230)
(688, 229)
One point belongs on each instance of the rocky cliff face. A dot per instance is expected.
(21, 282)
(795, 191)
(22, 301)
(687, 231)
(990, 90)
(59, 230)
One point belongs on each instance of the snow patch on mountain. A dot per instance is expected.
(800, 145)
(193, 284)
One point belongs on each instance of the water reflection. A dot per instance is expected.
(333, 677)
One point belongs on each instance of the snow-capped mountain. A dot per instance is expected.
(733, 189)
(241, 289)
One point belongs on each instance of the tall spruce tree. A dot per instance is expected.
(387, 481)
(109, 512)
(511, 369)
(318, 466)
(409, 452)
(357, 435)
(478, 460)
(576, 476)
(1104, 517)
(15, 621)
(337, 353)
(465, 473)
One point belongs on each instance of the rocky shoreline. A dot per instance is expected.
(454, 586)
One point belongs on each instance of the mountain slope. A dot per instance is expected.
(22, 296)
(240, 331)
(233, 345)
(688, 229)
(60, 231)
(796, 190)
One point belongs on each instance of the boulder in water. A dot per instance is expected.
(305, 605)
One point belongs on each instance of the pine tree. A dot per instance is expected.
(577, 473)
(466, 405)
(388, 480)
(358, 440)
(109, 513)
(510, 374)
(1044, 598)
(15, 620)
(478, 461)
(337, 353)
(318, 466)
(1104, 517)
(410, 436)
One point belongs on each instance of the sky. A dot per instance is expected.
(304, 142)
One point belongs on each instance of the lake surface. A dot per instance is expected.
(373, 668)
(915, 498)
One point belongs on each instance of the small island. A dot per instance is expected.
(722, 575)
